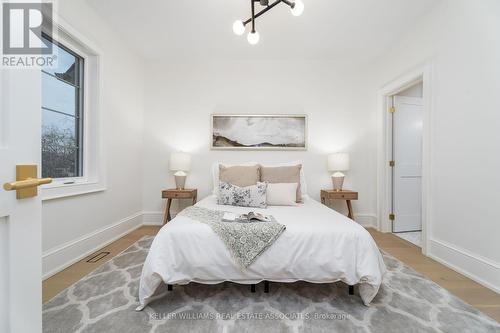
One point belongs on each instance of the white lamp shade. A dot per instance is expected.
(180, 162)
(253, 37)
(338, 162)
(238, 28)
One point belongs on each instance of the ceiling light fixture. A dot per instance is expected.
(296, 7)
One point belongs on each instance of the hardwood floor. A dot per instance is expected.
(62, 280)
(471, 292)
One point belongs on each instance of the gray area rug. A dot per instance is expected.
(104, 301)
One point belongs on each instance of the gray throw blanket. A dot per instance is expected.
(245, 241)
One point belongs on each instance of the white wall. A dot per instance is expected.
(461, 40)
(75, 225)
(181, 97)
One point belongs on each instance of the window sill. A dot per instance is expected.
(58, 189)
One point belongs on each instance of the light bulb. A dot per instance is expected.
(238, 28)
(298, 9)
(253, 37)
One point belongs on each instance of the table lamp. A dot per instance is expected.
(180, 163)
(338, 162)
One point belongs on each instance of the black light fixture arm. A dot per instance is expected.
(265, 10)
(296, 8)
(253, 16)
(291, 4)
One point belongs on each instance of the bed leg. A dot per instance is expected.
(252, 288)
(170, 287)
(266, 287)
(351, 290)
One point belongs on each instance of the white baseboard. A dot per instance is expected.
(473, 266)
(152, 218)
(65, 255)
(366, 220)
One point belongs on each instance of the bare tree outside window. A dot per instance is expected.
(59, 150)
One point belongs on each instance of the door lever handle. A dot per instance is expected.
(29, 182)
(26, 184)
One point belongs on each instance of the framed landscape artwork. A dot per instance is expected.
(259, 132)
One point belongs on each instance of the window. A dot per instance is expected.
(62, 114)
(71, 118)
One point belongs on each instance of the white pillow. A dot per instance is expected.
(282, 194)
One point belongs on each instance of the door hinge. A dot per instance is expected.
(392, 163)
(392, 217)
(392, 109)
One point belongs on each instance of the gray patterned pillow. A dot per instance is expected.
(249, 196)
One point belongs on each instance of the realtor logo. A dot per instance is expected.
(22, 28)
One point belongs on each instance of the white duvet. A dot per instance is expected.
(319, 245)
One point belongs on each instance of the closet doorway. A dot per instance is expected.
(406, 163)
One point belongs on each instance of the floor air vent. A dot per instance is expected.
(98, 256)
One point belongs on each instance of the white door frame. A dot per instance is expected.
(421, 73)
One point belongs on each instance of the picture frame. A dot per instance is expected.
(258, 132)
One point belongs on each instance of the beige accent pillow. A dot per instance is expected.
(239, 175)
(282, 174)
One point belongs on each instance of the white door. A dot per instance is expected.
(20, 220)
(407, 154)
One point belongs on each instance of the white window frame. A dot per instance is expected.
(92, 179)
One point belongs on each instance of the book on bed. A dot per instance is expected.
(246, 218)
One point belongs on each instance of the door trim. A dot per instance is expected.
(422, 73)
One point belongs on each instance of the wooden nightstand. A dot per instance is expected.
(327, 195)
(177, 194)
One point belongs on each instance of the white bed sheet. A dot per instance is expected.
(319, 245)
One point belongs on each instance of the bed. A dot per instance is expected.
(319, 245)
